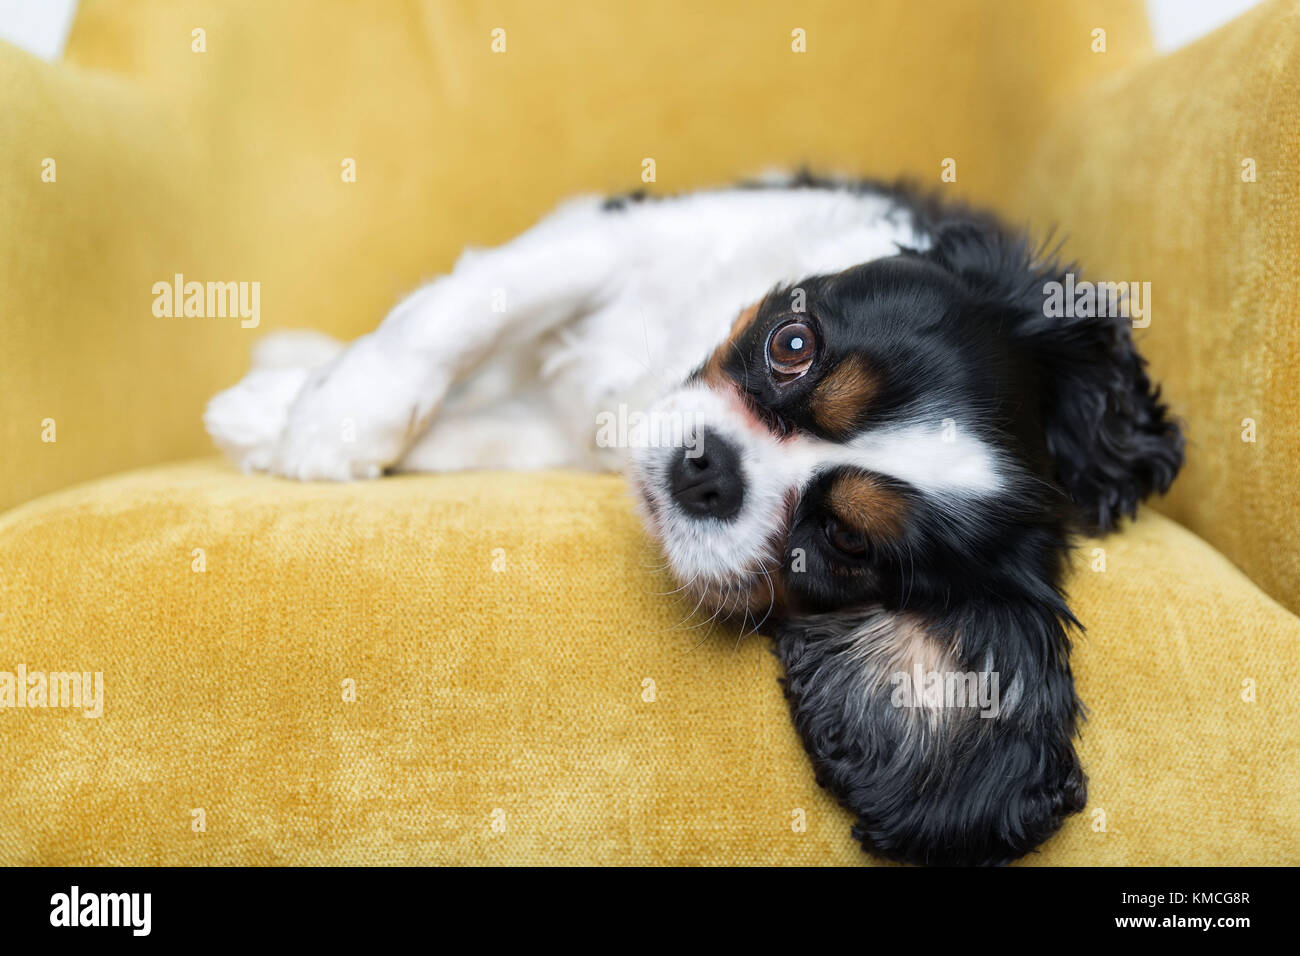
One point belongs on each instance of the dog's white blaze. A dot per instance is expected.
(929, 456)
(936, 458)
(933, 457)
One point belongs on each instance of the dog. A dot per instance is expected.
(882, 444)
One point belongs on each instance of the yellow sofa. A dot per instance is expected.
(483, 668)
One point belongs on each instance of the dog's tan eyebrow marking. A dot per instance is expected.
(713, 371)
(839, 397)
(868, 504)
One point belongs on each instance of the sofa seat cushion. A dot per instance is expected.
(524, 692)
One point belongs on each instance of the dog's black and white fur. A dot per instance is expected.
(886, 446)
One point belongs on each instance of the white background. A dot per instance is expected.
(1175, 23)
(40, 26)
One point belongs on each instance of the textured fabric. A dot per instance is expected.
(226, 165)
(524, 691)
(515, 680)
(1146, 174)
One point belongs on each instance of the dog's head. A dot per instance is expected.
(889, 461)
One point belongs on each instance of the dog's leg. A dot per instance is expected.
(247, 419)
(520, 434)
(360, 414)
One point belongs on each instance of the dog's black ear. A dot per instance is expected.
(1110, 437)
(952, 740)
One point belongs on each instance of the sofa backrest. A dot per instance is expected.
(1183, 176)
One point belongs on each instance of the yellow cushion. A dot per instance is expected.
(1145, 174)
(516, 664)
(226, 165)
(504, 715)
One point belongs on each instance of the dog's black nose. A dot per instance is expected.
(706, 481)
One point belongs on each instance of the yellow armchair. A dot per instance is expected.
(485, 668)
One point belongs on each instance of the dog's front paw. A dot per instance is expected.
(324, 449)
(355, 417)
(247, 419)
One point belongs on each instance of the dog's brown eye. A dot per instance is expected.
(790, 350)
(848, 540)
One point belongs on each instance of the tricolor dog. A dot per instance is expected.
(882, 442)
